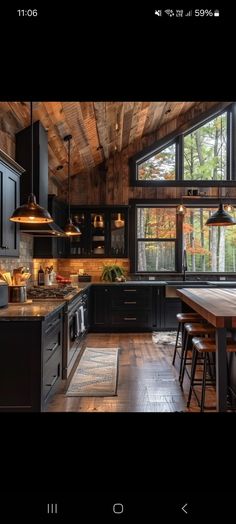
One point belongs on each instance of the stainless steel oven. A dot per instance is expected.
(75, 327)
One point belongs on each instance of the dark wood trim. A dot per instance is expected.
(188, 201)
(10, 162)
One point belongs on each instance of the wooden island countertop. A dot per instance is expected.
(218, 307)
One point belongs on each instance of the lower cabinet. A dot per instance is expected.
(31, 362)
(101, 304)
(171, 306)
(120, 307)
(125, 308)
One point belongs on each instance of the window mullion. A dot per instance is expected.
(179, 157)
(231, 132)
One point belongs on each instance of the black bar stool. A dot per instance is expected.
(202, 348)
(192, 330)
(182, 318)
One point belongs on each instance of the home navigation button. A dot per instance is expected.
(118, 508)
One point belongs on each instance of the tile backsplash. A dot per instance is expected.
(25, 259)
(91, 266)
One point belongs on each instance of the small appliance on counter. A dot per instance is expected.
(3, 294)
(84, 278)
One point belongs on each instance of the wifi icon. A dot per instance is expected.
(169, 12)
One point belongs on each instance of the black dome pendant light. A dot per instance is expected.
(31, 213)
(70, 229)
(220, 217)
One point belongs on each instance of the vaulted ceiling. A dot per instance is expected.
(98, 128)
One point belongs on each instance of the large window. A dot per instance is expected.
(201, 155)
(205, 151)
(161, 236)
(156, 239)
(160, 166)
(208, 248)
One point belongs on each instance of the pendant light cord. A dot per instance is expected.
(69, 179)
(32, 146)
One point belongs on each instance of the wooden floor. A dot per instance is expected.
(147, 380)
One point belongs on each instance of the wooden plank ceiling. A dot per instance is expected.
(98, 128)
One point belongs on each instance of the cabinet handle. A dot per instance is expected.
(130, 302)
(53, 347)
(4, 247)
(129, 290)
(55, 377)
(130, 318)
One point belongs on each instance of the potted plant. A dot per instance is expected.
(113, 273)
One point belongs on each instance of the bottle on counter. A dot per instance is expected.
(40, 276)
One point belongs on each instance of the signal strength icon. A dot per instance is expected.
(189, 13)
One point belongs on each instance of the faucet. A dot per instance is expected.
(184, 265)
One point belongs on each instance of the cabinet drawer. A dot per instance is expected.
(52, 336)
(131, 297)
(128, 302)
(52, 321)
(131, 318)
(52, 374)
(52, 342)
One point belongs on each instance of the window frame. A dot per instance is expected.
(177, 138)
(179, 240)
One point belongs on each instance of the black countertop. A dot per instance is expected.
(32, 311)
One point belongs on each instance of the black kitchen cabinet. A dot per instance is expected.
(31, 362)
(131, 307)
(120, 307)
(49, 247)
(40, 153)
(171, 306)
(101, 304)
(104, 232)
(10, 173)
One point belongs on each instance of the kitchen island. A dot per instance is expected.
(218, 307)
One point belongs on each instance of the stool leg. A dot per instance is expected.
(193, 371)
(204, 383)
(176, 344)
(183, 363)
(182, 355)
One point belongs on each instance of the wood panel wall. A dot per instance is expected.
(111, 183)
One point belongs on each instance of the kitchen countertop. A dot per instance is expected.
(31, 311)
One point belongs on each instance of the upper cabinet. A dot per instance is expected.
(51, 247)
(10, 173)
(104, 232)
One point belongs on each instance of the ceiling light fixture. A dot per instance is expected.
(31, 213)
(181, 209)
(70, 229)
(119, 222)
(220, 217)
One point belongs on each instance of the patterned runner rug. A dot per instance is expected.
(96, 374)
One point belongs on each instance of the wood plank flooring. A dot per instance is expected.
(147, 381)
